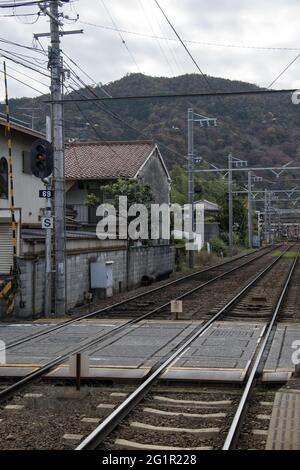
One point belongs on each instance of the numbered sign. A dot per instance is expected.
(46, 193)
(47, 222)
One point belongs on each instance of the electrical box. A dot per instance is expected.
(102, 277)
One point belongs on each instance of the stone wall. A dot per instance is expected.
(142, 262)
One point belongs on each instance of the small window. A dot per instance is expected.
(3, 178)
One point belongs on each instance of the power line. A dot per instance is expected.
(28, 76)
(116, 116)
(26, 58)
(21, 63)
(6, 41)
(23, 83)
(21, 4)
(183, 44)
(86, 74)
(284, 70)
(148, 20)
(14, 15)
(93, 125)
(189, 41)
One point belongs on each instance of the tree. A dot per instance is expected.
(136, 191)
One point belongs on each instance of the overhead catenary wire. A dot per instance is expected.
(149, 22)
(120, 35)
(284, 70)
(184, 45)
(223, 94)
(190, 41)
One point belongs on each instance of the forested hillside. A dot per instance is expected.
(260, 129)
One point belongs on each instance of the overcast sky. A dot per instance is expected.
(101, 53)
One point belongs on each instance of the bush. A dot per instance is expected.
(219, 246)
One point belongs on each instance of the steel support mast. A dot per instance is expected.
(191, 168)
(230, 206)
(250, 211)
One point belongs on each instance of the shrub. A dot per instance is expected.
(219, 246)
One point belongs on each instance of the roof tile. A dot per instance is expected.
(98, 160)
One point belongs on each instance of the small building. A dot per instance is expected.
(29, 207)
(211, 226)
(92, 165)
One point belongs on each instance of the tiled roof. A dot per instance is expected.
(208, 205)
(97, 160)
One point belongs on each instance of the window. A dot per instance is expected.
(3, 178)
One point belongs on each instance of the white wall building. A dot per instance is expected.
(26, 191)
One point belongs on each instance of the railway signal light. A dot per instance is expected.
(41, 158)
(261, 219)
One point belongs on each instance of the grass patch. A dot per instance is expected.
(288, 254)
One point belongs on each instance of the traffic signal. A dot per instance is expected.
(261, 219)
(41, 158)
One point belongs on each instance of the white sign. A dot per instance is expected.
(176, 306)
(84, 365)
(47, 222)
(2, 353)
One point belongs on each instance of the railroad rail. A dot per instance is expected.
(9, 391)
(149, 293)
(109, 424)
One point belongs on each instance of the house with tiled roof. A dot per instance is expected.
(92, 165)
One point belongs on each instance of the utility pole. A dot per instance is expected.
(250, 211)
(191, 168)
(57, 78)
(48, 253)
(230, 205)
(56, 67)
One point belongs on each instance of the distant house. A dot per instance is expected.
(92, 165)
(26, 191)
(211, 226)
(209, 207)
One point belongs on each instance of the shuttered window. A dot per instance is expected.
(6, 249)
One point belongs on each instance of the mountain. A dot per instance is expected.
(261, 129)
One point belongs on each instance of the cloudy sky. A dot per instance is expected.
(236, 39)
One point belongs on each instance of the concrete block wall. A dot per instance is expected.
(143, 261)
(148, 261)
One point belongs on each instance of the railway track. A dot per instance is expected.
(132, 403)
(160, 296)
(9, 391)
(222, 433)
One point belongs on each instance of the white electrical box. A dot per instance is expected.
(102, 275)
